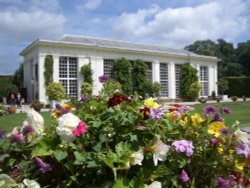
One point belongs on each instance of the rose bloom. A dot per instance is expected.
(66, 124)
(35, 120)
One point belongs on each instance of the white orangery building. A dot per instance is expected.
(71, 52)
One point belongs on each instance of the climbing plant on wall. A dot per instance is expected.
(48, 69)
(121, 72)
(188, 76)
(87, 72)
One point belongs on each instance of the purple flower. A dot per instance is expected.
(184, 146)
(184, 176)
(44, 167)
(2, 134)
(223, 183)
(226, 110)
(17, 137)
(102, 79)
(215, 141)
(223, 131)
(184, 109)
(155, 113)
(209, 110)
(243, 148)
(83, 98)
(27, 129)
(217, 117)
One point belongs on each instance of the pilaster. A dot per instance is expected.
(156, 71)
(41, 87)
(171, 80)
(97, 67)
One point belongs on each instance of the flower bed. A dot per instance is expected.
(126, 142)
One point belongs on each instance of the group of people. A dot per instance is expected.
(16, 100)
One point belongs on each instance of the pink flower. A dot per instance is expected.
(81, 128)
(184, 176)
(184, 146)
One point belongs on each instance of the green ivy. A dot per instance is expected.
(87, 73)
(48, 69)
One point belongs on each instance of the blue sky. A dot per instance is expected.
(172, 23)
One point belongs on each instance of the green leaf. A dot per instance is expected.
(120, 183)
(79, 156)
(60, 155)
(41, 150)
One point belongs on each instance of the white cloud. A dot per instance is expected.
(47, 5)
(22, 25)
(91, 4)
(184, 25)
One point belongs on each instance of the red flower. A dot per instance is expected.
(118, 99)
(145, 112)
(81, 128)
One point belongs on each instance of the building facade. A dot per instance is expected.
(70, 53)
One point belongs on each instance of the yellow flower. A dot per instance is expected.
(196, 119)
(239, 166)
(215, 128)
(150, 103)
(174, 116)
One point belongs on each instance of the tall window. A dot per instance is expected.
(107, 67)
(68, 75)
(177, 79)
(164, 79)
(204, 80)
(149, 70)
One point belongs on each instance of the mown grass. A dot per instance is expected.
(240, 111)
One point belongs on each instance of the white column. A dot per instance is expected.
(55, 68)
(198, 72)
(156, 71)
(171, 80)
(215, 79)
(211, 83)
(81, 61)
(97, 67)
(41, 88)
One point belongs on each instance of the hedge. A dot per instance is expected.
(238, 86)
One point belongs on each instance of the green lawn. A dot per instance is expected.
(240, 111)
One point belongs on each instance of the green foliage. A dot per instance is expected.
(234, 98)
(139, 74)
(18, 76)
(187, 78)
(238, 86)
(55, 91)
(222, 85)
(121, 72)
(243, 56)
(86, 89)
(194, 90)
(48, 69)
(110, 87)
(6, 86)
(87, 73)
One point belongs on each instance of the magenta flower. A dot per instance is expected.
(155, 113)
(226, 110)
(2, 134)
(17, 137)
(217, 117)
(102, 79)
(243, 148)
(184, 146)
(222, 183)
(215, 141)
(44, 167)
(83, 98)
(81, 128)
(184, 176)
(209, 110)
(27, 129)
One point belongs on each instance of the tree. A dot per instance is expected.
(243, 56)
(18, 76)
(188, 76)
(121, 72)
(87, 73)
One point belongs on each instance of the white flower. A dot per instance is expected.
(154, 184)
(137, 158)
(67, 123)
(35, 120)
(31, 183)
(160, 153)
(243, 136)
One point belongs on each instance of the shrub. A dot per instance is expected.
(86, 89)
(11, 109)
(36, 105)
(222, 85)
(55, 91)
(234, 98)
(110, 87)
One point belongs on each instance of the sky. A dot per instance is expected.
(171, 23)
